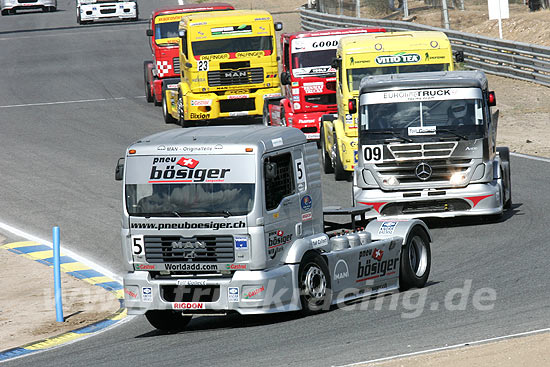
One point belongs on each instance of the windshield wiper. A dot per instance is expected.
(452, 132)
(393, 133)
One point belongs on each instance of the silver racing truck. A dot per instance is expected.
(427, 144)
(230, 219)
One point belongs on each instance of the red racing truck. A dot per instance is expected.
(164, 43)
(308, 79)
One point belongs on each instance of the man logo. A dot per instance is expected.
(423, 171)
(235, 74)
(341, 270)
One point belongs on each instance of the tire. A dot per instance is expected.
(167, 320)
(147, 81)
(340, 174)
(325, 157)
(137, 13)
(181, 114)
(167, 117)
(314, 282)
(415, 261)
(266, 119)
(5, 12)
(504, 154)
(78, 17)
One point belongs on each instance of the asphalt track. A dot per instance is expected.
(70, 103)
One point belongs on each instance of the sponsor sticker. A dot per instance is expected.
(147, 294)
(241, 243)
(320, 241)
(253, 292)
(277, 241)
(399, 58)
(341, 270)
(422, 130)
(184, 282)
(312, 136)
(296, 98)
(187, 305)
(306, 203)
(238, 113)
(131, 292)
(295, 91)
(314, 87)
(201, 102)
(233, 294)
(237, 96)
(269, 95)
(295, 84)
(222, 31)
(377, 254)
(387, 228)
(277, 142)
(306, 217)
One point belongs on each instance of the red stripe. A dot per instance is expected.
(373, 277)
(476, 199)
(170, 181)
(376, 206)
(393, 272)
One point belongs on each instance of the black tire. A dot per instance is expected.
(415, 260)
(315, 284)
(504, 154)
(266, 118)
(167, 320)
(167, 117)
(78, 18)
(137, 13)
(147, 81)
(325, 157)
(5, 12)
(340, 174)
(181, 114)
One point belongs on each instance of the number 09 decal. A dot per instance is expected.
(138, 245)
(372, 154)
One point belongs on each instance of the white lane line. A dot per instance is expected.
(531, 157)
(92, 264)
(68, 102)
(483, 341)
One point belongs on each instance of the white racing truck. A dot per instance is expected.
(231, 220)
(428, 146)
(88, 11)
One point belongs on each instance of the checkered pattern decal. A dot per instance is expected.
(163, 67)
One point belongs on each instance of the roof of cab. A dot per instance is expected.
(394, 41)
(223, 17)
(424, 80)
(331, 32)
(191, 8)
(219, 140)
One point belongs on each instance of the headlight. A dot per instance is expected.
(391, 181)
(458, 178)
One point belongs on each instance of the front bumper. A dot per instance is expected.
(98, 11)
(246, 292)
(29, 5)
(207, 106)
(475, 199)
(308, 123)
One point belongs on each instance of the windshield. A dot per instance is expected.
(355, 75)
(459, 118)
(179, 200)
(313, 62)
(232, 45)
(167, 32)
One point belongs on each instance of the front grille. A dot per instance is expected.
(422, 150)
(174, 293)
(325, 99)
(427, 206)
(405, 171)
(176, 249)
(219, 78)
(107, 11)
(176, 62)
(236, 105)
(26, 1)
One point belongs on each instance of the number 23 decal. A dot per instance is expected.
(202, 65)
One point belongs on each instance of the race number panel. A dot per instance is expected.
(373, 154)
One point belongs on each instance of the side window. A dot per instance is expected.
(340, 80)
(279, 179)
(286, 57)
(184, 46)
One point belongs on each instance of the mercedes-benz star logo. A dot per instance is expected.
(423, 171)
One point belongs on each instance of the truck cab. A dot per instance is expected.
(427, 145)
(164, 44)
(230, 219)
(88, 11)
(308, 79)
(228, 66)
(373, 54)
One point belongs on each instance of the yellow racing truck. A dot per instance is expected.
(228, 65)
(373, 54)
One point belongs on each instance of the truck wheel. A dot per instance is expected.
(146, 79)
(325, 157)
(181, 113)
(314, 282)
(167, 117)
(340, 174)
(266, 119)
(415, 260)
(167, 320)
(504, 154)
(5, 12)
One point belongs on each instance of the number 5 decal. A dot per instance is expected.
(300, 175)
(202, 65)
(138, 245)
(372, 154)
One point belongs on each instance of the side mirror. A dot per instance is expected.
(188, 65)
(149, 33)
(285, 78)
(181, 33)
(459, 56)
(278, 26)
(119, 170)
(352, 105)
(491, 99)
(270, 169)
(336, 62)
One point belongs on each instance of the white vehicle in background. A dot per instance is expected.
(11, 6)
(88, 11)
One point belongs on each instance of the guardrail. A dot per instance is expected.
(505, 58)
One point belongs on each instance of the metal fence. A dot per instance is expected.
(505, 58)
